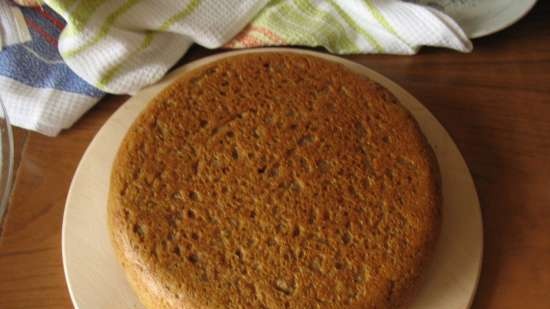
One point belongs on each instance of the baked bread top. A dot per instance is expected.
(274, 180)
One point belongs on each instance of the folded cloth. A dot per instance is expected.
(120, 46)
(38, 89)
(353, 26)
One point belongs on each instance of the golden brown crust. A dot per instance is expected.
(274, 180)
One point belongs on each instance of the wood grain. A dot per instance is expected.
(30, 253)
(495, 102)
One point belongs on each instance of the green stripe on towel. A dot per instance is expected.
(349, 20)
(110, 74)
(104, 29)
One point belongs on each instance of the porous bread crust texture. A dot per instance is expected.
(274, 180)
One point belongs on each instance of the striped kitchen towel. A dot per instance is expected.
(120, 46)
(38, 89)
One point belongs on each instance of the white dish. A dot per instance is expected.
(482, 17)
(96, 280)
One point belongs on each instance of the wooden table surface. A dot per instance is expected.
(495, 103)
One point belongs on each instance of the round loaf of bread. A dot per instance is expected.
(274, 180)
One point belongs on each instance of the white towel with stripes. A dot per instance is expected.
(120, 46)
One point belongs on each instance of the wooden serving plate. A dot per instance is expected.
(96, 280)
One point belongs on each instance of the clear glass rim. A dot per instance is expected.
(6, 171)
